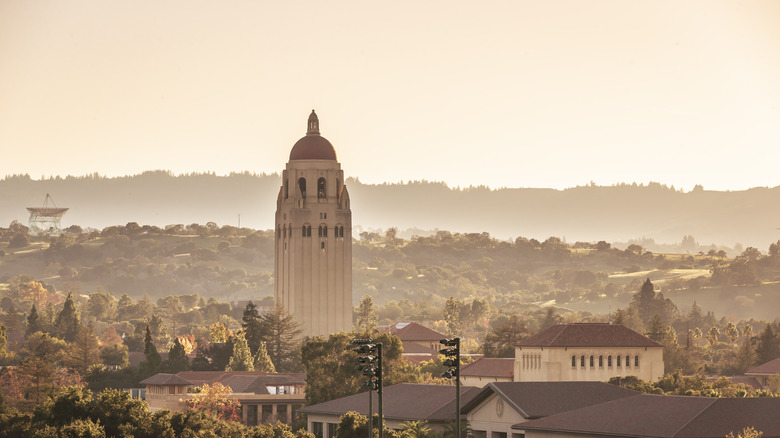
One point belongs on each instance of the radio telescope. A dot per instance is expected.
(46, 220)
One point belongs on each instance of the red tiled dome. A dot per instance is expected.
(313, 147)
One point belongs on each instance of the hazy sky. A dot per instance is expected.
(516, 93)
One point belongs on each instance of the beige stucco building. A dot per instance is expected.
(587, 352)
(313, 263)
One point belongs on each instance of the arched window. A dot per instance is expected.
(324, 231)
(601, 361)
(308, 230)
(303, 231)
(321, 188)
(591, 361)
(636, 360)
(609, 361)
(618, 360)
(320, 231)
(302, 186)
(573, 361)
(284, 231)
(628, 361)
(582, 361)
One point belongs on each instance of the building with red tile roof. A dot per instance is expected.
(420, 343)
(499, 406)
(486, 370)
(403, 402)
(661, 416)
(763, 372)
(587, 352)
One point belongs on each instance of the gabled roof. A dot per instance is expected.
(490, 367)
(254, 382)
(771, 367)
(411, 331)
(404, 401)
(588, 335)
(165, 379)
(540, 399)
(648, 415)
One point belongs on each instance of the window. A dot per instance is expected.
(582, 361)
(251, 415)
(290, 230)
(320, 231)
(303, 231)
(601, 361)
(281, 413)
(332, 430)
(284, 231)
(636, 360)
(573, 361)
(322, 246)
(609, 361)
(321, 188)
(308, 230)
(618, 360)
(267, 413)
(324, 231)
(591, 361)
(628, 361)
(316, 429)
(302, 186)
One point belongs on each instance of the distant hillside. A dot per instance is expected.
(591, 213)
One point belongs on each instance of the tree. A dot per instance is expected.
(656, 329)
(280, 334)
(115, 355)
(67, 324)
(415, 429)
(218, 332)
(501, 341)
(263, 361)
(3, 343)
(251, 325)
(84, 351)
(649, 303)
(366, 315)
(241, 360)
(550, 318)
(712, 335)
(101, 306)
(732, 332)
(452, 316)
(33, 321)
(767, 345)
(748, 432)
(152, 362)
(215, 399)
(177, 358)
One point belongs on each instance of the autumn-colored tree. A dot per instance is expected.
(219, 333)
(84, 351)
(215, 400)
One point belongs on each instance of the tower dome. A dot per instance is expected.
(313, 146)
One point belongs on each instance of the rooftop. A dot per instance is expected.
(681, 416)
(588, 335)
(771, 367)
(404, 401)
(490, 367)
(540, 399)
(411, 331)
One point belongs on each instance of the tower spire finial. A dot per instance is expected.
(314, 124)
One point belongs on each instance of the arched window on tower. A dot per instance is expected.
(302, 186)
(319, 233)
(321, 188)
(303, 231)
(308, 230)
